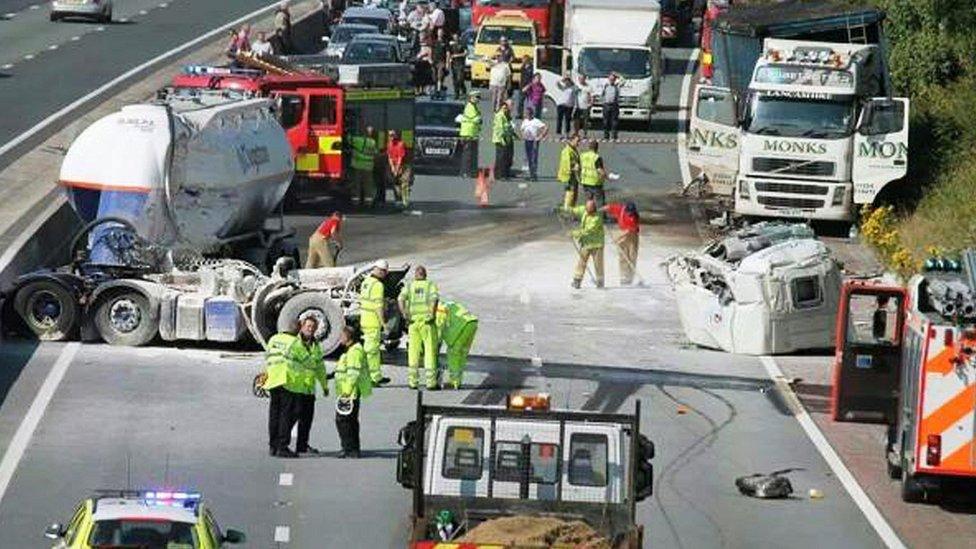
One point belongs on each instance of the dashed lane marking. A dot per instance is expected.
(7, 67)
(35, 7)
(282, 534)
(9, 15)
(537, 361)
(99, 29)
(528, 328)
(52, 47)
(843, 474)
(29, 56)
(286, 479)
(25, 431)
(143, 12)
(75, 38)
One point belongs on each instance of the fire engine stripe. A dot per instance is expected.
(962, 459)
(949, 413)
(941, 363)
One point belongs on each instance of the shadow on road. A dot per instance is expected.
(14, 356)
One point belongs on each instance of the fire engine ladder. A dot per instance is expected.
(270, 64)
(857, 31)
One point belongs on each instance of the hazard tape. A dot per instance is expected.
(621, 141)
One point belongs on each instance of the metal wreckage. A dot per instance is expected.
(763, 289)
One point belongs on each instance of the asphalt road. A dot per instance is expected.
(184, 417)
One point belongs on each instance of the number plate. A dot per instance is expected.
(432, 151)
(793, 212)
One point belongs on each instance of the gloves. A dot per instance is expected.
(325, 391)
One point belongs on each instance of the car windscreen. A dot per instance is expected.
(143, 533)
(369, 52)
(796, 117)
(380, 24)
(629, 63)
(517, 36)
(342, 35)
(437, 114)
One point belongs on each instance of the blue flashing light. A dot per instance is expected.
(174, 499)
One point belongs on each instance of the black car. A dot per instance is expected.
(436, 133)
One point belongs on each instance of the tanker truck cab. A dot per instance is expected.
(812, 137)
(525, 459)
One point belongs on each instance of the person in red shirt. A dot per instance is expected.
(628, 221)
(399, 169)
(325, 243)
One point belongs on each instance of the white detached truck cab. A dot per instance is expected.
(604, 36)
(810, 138)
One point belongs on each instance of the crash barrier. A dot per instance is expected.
(482, 185)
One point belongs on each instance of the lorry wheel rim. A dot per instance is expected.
(125, 315)
(45, 309)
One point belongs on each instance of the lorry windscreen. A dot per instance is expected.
(629, 63)
(796, 117)
(517, 36)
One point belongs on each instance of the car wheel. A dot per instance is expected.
(323, 308)
(125, 318)
(48, 309)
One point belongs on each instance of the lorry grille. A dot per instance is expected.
(793, 166)
(629, 101)
(791, 188)
(787, 202)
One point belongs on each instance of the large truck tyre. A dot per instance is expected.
(125, 317)
(320, 305)
(48, 309)
(911, 490)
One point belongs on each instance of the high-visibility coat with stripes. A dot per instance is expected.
(502, 132)
(590, 233)
(470, 122)
(371, 296)
(420, 297)
(363, 153)
(352, 373)
(277, 362)
(569, 162)
(452, 317)
(589, 175)
(308, 361)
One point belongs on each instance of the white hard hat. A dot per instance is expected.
(381, 264)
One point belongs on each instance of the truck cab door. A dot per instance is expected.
(867, 360)
(292, 115)
(550, 63)
(322, 154)
(880, 147)
(713, 137)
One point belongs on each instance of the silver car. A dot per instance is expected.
(99, 10)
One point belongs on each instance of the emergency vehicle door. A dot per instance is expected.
(525, 458)
(867, 361)
(550, 63)
(713, 137)
(292, 109)
(880, 147)
(323, 149)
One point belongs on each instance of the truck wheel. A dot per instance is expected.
(911, 490)
(323, 308)
(125, 318)
(48, 309)
(894, 471)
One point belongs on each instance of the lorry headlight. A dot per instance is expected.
(743, 189)
(838, 196)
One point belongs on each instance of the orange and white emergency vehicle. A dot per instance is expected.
(322, 113)
(907, 357)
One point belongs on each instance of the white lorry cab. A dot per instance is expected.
(481, 463)
(812, 137)
(603, 37)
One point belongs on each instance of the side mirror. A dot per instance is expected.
(234, 537)
(54, 531)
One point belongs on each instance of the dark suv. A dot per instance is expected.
(436, 132)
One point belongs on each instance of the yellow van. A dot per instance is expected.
(513, 25)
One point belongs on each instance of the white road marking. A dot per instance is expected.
(524, 297)
(9, 15)
(683, 116)
(124, 20)
(282, 534)
(163, 5)
(22, 437)
(843, 474)
(537, 361)
(143, 12)
(35, 7)
(528, 327)
(286, 479)
(29, 56)
(99, 29)
(52, 47)
(75, 38)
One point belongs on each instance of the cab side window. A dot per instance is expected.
(463, 456)
(588, 459)
(883, 117)
(322, 110)
(290, 110)
(716, 106)
(74, 527)
(806, 292)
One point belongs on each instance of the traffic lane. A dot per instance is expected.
(14, 7)
(147, 418)
(32, 33)
(861, 446)
(62, 76)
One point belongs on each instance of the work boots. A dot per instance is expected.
(576, 283)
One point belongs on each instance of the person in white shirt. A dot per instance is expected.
(499, 79)
(584, 100)
(436, 16)
(565, 104)
(533, 132)
(260, 46)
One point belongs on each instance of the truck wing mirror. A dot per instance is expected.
(54, 531)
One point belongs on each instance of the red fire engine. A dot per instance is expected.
(907, 358)
(320, 113)
(546, 14)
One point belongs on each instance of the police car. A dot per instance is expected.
(436, 132)
(144, 519)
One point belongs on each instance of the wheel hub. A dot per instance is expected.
(125, 315)
(45, 309)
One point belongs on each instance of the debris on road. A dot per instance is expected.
(763, 289)
(536, 532)
(772, 486)
(815, 494)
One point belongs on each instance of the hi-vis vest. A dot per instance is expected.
(567, 158)
(363, 153)
(589, 175)
(452, 317)
(470, 122)
(420, 296)
(352, 373)
(370, 302)
(278, 363)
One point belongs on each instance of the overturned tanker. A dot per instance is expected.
(764, 289)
